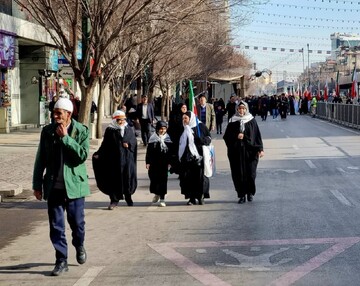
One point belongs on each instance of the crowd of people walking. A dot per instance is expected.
(176, 146)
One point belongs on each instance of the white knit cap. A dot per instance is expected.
(64, 103)
(119, 114)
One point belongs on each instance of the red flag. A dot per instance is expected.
(305, 93)
(337, 87)
(326, 96)
(309, 93)
(354, 86)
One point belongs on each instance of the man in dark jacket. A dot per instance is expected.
(62, 152)
(231, 107)
(146, 117)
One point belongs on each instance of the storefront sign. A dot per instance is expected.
(53, 60)
(7, 50)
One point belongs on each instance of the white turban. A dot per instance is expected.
(64, 103)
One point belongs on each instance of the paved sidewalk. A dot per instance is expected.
(17, 155)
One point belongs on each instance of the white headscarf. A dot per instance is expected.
(187, 137)
(162, 139)
(243, 119)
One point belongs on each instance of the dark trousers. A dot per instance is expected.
(145, 130)
(58, 203)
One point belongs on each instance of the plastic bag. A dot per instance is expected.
(209, 160)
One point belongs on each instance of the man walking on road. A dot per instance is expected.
(146, 117)
(62, 152)
(206, 113)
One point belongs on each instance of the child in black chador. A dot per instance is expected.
(158, 157)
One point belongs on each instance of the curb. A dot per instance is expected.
(9, 190)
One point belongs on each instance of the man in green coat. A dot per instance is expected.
(313, 106)
(62, 152)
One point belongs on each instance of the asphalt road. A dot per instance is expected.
(301, 229)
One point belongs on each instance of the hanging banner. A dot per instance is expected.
(7, 50)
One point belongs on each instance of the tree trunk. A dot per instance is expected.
(87, 94)
(100, 110)
(138, 89)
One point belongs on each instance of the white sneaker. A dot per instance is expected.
(162, 204)
(156, 199)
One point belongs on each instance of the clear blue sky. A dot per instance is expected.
(286, 24)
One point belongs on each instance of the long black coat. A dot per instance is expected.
(115, 169)
(243, 155)
(159, 161)
(193, 182)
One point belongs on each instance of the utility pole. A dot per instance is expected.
(308, 64)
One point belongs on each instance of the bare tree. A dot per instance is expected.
(100, 24)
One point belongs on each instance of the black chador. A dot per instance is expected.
(243, 154)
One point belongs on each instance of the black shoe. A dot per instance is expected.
(129, 201)
(191, 202)
(81, 255)
(250, 197)
(242, 200)
(60, 268)
(201, 201)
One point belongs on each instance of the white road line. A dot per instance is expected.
(295, 147)
(89, 276)
(310, 164)
(340, 197)
(340, 170)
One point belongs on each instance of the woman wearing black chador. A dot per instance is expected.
(244, 147)
(194, 184)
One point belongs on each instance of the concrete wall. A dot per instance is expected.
(224, 91)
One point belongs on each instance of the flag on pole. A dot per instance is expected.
(192, 104)
(318, 95)
(309, 94)
(354, 86)
(326, 96)
(337, 87)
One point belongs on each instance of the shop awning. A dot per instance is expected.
(230, 75)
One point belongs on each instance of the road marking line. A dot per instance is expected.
(89, 276)
(340, 197)
(310, 164)
(295, 147)
(196, 271)
(338, 246)
(340, 170)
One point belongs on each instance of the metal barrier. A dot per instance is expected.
(344, 114)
